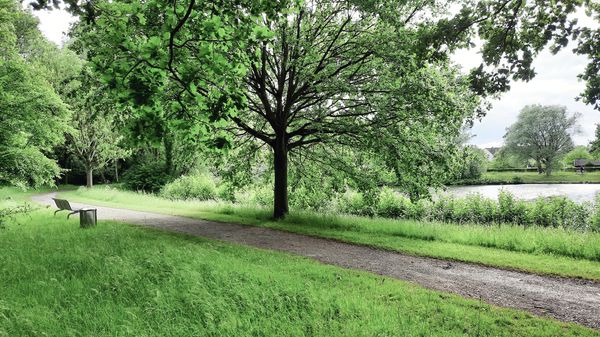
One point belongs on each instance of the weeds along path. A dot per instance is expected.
(568, 300)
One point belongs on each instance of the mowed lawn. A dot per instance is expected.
(121, 280)
(552, 251)
(534, 177)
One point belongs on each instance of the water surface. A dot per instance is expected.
(576, 192)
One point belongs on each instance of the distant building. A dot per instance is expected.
(585, 162)
(491, 152)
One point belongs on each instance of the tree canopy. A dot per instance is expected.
(94, 138)
(33, 117)
(329, 82)
(542, 133)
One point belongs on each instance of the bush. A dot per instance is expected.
(350, 202)
(310, 197)
(391, 204)
(516, 180)
(475, 208)
(148, 177)
(594, 221)
(255, 196)
(422, 209)
(559, 212)
(474, 163)
(226, 191)
(196, 186)
(511, 210)
(442, 209)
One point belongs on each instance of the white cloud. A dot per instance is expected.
(54, 24)
(555, 83)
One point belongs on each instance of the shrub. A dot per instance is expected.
(255, 195)
(150, 177)
(478, 209)
(196, 186)
(442, 209)
(226, 191)
(422, 209)
(474, 163)
(391, 204)
(559, 211)
(310, 197)
(516, 180)
(594, 221)
(511, 210)
(350, 202)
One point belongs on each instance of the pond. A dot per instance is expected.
(576, 192)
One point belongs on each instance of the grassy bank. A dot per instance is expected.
(118, 280)
(540, 250)
(535, 178)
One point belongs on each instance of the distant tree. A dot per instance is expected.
(579, 152)
(94, 139)
(503, 159)
(542, 133)
(33, 118)
(473, 162)
(595, 144)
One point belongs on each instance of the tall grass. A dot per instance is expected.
(119, 280)
(531, 239)
(537, 249)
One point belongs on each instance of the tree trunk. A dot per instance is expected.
(539, 167)
(168, 154)
(548, 167)
(89, 178)
(280, 152)
(117, 170)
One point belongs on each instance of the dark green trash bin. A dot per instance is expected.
(87, 217)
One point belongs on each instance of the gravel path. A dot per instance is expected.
(568, 300)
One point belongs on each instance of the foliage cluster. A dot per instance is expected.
(194, 186)
(384, 202)
(33, 117)
(578, 152)
(146, 177)
(543, 134)
(556, 211)
(474, 163)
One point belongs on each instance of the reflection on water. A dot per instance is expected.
(577, 192)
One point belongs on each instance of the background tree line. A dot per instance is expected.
(362, 92)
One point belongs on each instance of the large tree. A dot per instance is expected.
(323, 80)
(305, 90)
(595, 144)
(93, 139)
(542, 133)
(33, 117)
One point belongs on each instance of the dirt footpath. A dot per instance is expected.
(568, 300)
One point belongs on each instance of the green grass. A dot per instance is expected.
(121, 280)
(539, 250)
(534, 177)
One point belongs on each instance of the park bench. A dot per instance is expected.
(87, 216)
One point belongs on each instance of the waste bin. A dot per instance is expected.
(87, 217)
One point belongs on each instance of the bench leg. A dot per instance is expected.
(71, 214)
(60, 210)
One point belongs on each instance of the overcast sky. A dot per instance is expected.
(556, 83)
